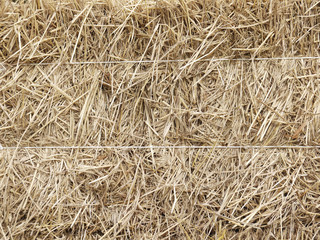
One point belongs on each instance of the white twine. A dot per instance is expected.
(196, 60)
(167, 147)
(167, 61)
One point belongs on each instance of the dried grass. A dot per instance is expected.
(159, 193)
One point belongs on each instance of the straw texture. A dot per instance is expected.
(163, 194)
(167, 97)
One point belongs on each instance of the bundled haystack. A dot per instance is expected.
(205, 75)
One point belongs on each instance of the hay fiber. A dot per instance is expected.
(141, 73)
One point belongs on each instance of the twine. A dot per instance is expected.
(167, 147)
(2, 65)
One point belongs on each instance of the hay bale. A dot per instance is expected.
(140, 74)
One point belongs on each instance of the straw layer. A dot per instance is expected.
(224, 103)
(162, 194)
(47, 31)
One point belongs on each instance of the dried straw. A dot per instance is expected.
(166, 96)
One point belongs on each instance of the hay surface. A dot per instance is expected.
(159, 193)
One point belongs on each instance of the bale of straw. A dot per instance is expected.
(165, 73)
